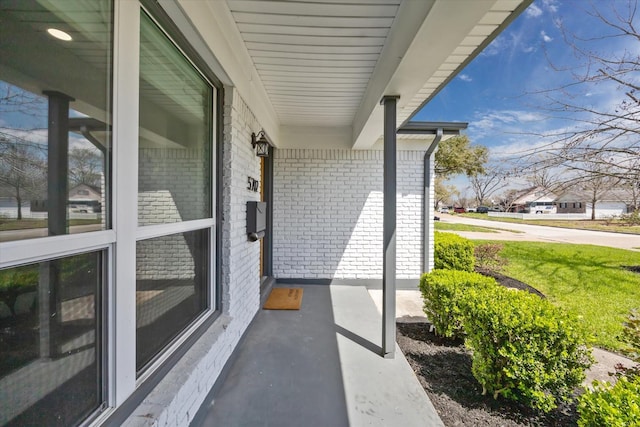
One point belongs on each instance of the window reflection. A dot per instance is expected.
(50, 341)
(54, 118)
(176, 122)
(171, 283)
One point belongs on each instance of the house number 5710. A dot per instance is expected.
(253, 184)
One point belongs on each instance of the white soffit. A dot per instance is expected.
(327, 63)
(314, 57)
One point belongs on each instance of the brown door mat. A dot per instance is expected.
(284, 299)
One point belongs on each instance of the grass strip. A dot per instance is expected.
(28, 224)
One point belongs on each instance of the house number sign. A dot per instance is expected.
(253, 184)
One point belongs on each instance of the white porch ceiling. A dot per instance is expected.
(326, 63)
(315, 58)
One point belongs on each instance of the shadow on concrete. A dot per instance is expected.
(287, 371)
(374, 348)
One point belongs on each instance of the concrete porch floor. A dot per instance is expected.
(319, 366)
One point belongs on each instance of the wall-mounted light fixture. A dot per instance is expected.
(261, 143)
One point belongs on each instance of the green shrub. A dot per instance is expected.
(442, 291)
(631, 335)
(611, 406)
(524, 348)
(488, 256)
(452, 252)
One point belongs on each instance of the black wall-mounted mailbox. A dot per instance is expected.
(256, 220)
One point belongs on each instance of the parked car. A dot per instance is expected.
(471, 210)
(482, 209)
(496, 209)
(444, 210)
(459, 209)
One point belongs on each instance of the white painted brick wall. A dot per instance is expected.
(177, 398)
(170, 189)
(328, 214)
(175, 173)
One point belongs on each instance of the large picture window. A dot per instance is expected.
(55, 148)
(175, 196)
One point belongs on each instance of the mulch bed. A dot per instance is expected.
(509, 282)
(443, 367)
(633, 268)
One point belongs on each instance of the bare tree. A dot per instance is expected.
(486, 184)
(630, 193)
(443, 193)
(508, 198)
(85, 166)
(22, 169)
(605, 134)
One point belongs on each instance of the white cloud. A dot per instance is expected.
(465, 77)
(550, 5)
(37, 136)
(496, 46)
(491, 120)
(41, 137)
(545, 36)
(533, 11)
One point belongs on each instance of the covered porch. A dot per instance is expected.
(319, 366)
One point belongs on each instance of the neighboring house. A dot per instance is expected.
(85, 198)
(534, 200)
(611, 203)
(134, 323)
(84, 192)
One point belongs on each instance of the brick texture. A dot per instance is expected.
(328, 214)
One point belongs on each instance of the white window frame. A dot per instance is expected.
(144, 232)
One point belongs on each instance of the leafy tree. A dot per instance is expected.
(456, 156)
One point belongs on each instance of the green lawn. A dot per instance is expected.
(441, 226)
(588, 280)
(616, 226)
(27, 224)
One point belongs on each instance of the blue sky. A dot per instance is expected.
(495, 92)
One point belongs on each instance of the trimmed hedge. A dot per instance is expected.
(524, 348)
(452, 252)
(612, 406)
(442, 292)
